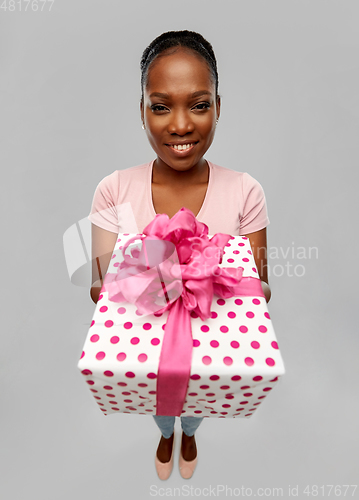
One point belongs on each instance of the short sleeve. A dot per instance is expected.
(254, 210)
(103, 210)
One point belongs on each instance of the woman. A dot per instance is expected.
(180, 108)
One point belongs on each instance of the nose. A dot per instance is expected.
(180, 122)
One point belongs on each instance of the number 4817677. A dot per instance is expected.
(26, 5)
(335, 490)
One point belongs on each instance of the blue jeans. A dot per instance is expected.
(166, 424)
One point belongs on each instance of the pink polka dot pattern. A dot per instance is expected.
(235, 358)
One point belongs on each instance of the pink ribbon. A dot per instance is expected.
(176, 269)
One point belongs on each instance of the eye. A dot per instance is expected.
(204, 105)
(157, 107)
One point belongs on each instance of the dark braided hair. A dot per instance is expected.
(184, 38)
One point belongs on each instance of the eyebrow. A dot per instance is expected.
(195, 94)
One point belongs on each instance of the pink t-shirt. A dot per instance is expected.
(234, 203)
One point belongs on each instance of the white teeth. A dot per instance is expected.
(181, 146)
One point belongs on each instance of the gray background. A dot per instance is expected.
(69, 111)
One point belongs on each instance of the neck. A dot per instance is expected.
(164, 174)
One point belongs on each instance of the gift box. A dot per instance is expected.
(134, 359)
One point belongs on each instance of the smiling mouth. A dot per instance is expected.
(182, 147)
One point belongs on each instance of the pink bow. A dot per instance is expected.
(176, 269)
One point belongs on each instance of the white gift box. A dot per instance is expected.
(235, 358)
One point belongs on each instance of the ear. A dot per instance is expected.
(142, 111)
(218, 106)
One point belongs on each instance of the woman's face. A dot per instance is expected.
(185, 112)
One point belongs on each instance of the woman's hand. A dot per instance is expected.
(95, 290)
(266, 290)
(258, 241)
